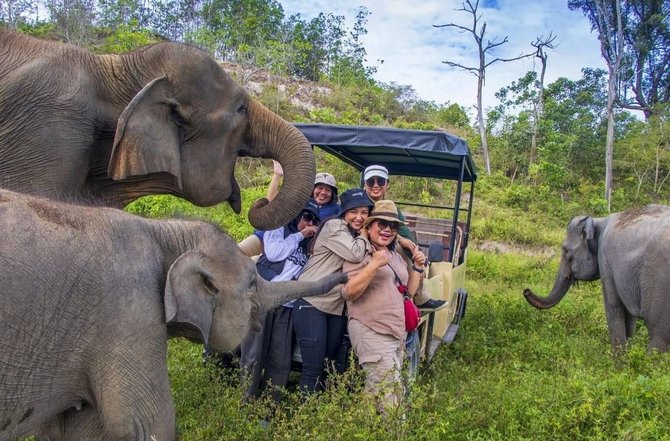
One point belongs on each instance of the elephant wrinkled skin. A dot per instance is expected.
(629, 252)
(164, 119)
(89, 297)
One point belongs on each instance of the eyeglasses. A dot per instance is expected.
(310, 217)
(383, 224)
(380, 181)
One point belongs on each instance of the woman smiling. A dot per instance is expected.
(374, 296)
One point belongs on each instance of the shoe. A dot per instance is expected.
(433, 304)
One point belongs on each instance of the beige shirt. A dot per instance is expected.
(334, 246)
(380, 307)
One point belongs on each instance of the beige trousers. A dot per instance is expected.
(381, 358)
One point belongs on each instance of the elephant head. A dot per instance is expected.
(191, 121)
(221, 305)
(579, 261)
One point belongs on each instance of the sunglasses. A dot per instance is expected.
(380, 181)
(310, 217)
(383, 224)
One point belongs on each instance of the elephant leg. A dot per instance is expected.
(74, 424)
(615, 312)
(132, 393)
(631, 324)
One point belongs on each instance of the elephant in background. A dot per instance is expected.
(164, 119)
(89, 297)
(630, 253)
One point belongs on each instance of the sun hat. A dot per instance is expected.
(354, 198)
(375, 170)
(385, 210)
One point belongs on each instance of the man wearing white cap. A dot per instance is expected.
(376, 181)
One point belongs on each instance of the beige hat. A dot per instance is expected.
(325, 178)
(386, 210)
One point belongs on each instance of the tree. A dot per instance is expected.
(479, 71)
(645, 45)
(540, 45)
(73, 19)
(605, 16)
(12, 12)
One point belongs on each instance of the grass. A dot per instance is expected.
(513, 373)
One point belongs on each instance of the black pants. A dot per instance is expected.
(319, 336)
(265, 356)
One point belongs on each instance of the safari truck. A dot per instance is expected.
(444, 239)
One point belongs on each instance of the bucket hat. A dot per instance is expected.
(312, 207)
(354, 198)
(385, 210)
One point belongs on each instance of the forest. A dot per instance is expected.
(513, 373)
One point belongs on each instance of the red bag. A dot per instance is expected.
(412, 313)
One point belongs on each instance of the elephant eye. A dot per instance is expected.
(207, 283)
(242, 109)
(178, 116)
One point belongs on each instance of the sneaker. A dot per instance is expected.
(433, 304)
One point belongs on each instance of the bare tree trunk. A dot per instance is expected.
(480, 118)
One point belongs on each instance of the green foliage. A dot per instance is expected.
(513, 373)
(126, 38)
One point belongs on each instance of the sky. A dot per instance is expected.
(401, 33)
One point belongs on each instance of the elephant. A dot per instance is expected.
(88, 299)
(629, 251)
(164, 119)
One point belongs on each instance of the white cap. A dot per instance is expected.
(375, 170)
(325, 178)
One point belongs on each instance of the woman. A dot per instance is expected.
(375, 304)
(324, 194)
(265, 356)
(320, 322)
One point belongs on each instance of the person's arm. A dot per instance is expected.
(277, 175)
(359, 282)
(277, 247)
(341, 242)
(416, 272)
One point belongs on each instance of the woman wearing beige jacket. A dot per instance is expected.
(320, 322)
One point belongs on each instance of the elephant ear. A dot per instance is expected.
(589, 233)
(147, 137)
(189, 292)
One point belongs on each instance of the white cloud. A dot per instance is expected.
(401, 33)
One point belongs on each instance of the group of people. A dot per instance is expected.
(358, 232)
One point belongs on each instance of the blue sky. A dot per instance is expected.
(401, 33)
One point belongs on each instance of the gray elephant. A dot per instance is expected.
(89, 297)
(629, 252)
(165, 119)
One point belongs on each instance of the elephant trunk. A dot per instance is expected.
(278, 293)
(564, 279)
(272, 137)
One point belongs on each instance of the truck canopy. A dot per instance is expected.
(429, 154)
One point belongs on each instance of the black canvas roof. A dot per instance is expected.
(430, 154)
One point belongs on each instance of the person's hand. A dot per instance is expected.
(379, 258)
(407, 244)
(419, 258)
(277, 168)
(309, 231)
(363, 232)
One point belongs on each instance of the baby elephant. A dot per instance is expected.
(629, 252)
(89, 297)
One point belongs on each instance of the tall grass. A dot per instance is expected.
(513, 373)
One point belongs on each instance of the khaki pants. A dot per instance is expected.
(381, 358)
(251, 246)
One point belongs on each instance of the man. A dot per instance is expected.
(376, 182)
